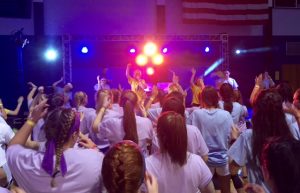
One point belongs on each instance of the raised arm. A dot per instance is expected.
(17, 109)
(32, 91)
(128, 72)
(100, 113)
(256, 90)
(22, 135)
(193, 76)
(54, 85)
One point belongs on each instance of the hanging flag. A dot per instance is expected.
(225, 12)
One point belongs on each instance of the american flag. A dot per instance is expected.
(226, 12)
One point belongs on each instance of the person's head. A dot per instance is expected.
(80, 99)
(226, 92)
(286, 92)
(226, 73)
(175, 94)
(268, 120)
(129, 101)
(198, 81)
(62, 130)
(237, 97)
(103, 81)
(172, 136)
(175, 79)
(137, 74)
(116, 95)
(296, 98)
(100, 98)
(55, 101)
(209, 97)
(68, 87)
(280, 162)
(265, 74)
(123, 168)
(173, 104)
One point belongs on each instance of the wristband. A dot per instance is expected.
(30, 123)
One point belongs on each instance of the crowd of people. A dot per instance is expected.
(133, 141)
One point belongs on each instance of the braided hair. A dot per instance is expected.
(123, 168)
(58, 131)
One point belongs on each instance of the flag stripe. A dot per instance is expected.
(233, 12)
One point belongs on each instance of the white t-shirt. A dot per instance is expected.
(6, 134)
(83, 175)
(175, 179)
(112, 129)
(232, 82)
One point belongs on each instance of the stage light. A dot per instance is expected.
(150, 71)
(237, 51)
(84, 50)
(132, 50)
(157, 59)
(150, 49)
(165, 50)
(51, 55)
(206, 49)
(141, 60)
(213, 66)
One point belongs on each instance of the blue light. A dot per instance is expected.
(237, 51)
(84, 50)
(213, 66)
(207, 49)
(51, 54)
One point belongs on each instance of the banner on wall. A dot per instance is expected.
(228, 12)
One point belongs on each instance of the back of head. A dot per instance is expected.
(80, 99)
(55, 101)
(175, 94)
(281, 159)
(209, 97)
(123, 168)
(268, 119)
(128, 102)
(59, 127)
(172, 136)
(173, 104)
(285, 91)
(100, 97)
(226, 92)
(116, 95)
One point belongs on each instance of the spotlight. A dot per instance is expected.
(237, 51)
(51, 55)
(165, 50)
(157, 59)
(206, 49)
(84, 50)
(132, 50)
(141, 60)
(150, 49)
(150, 71)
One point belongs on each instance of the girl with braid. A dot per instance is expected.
(123, 170)
(128, 126)
(60, 167)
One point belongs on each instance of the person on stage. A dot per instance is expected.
(196, 86)
(102, 84)
(136, 82)
(66, 91)
(224, 77)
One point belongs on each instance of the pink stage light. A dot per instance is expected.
(132, 50)
(157, 59)
(141, 60)
(150, 71)
(164, 50)
(150, 49)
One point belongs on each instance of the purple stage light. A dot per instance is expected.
(206, 49)
(165, 50)
(132, 50)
